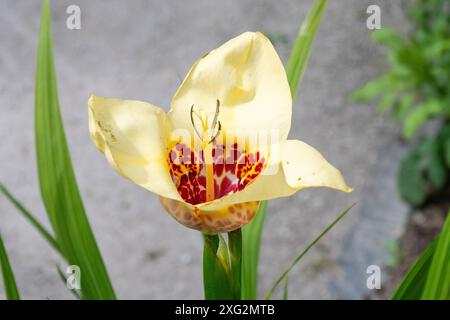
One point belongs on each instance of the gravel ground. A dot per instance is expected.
(141, 50)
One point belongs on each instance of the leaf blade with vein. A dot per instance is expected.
(41, 229)
(57, 180)
(12, 293)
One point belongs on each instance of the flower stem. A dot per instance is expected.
(216, 281)
(235, 247)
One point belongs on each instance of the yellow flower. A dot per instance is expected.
(222, 147)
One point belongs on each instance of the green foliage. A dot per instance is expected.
(73, 239)
(39, 227)
(216, 279)
(251, 242)
(429, 278)
(395, 253)
(417, 85)
(57, 180)
(8, 277)
(222, 266)
(235, 245)
(416, 89)
(413, 283)
(302, 46)
(437, 286)
(424, 170)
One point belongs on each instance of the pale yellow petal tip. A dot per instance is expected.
(347, 189)
(94, 100)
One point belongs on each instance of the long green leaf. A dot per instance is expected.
(437, 286)
(41, 229)
(302, 254)
(297, 62)
(64, 281)
(413, 283)
(216, 280)
(8, 276)
(302, 46)
(251, 241)
(57, 181)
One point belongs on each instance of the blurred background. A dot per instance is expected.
(142, 50)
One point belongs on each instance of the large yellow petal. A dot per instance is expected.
(247, 77)
(133, 136)
(298, 166)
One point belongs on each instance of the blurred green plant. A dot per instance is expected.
(416, 89)
(395, 254)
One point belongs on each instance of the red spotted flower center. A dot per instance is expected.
(226, 170)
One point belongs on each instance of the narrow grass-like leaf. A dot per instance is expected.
(63, 278)
(41, 229)
(251, 241)
(437, 286)
(9, 281)
(413, 283)
(297, 62)
(302, 254)
(57, 181)
(302, 46)
(286, 289)
(235, 246)
(215, 278)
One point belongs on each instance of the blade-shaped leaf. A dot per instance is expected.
(413, 283)
(63, 278)
(437, 286)
(41, 229)
(302, 254)
(286, 289)
(302, 46)
(251, 241)
(57, 181)
(8, 277)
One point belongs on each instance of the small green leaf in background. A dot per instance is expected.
(404, 106)
(387, 102)
(8, 277)
(427, 110)
(387, 37)
(305, 251)
(297, 62)
(371, 89)
(437, 286)
(57, 180)
(445, 138)
(436, 169)
(411, 183)
(394, 253)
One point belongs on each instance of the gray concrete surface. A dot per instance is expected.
(141, 50)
